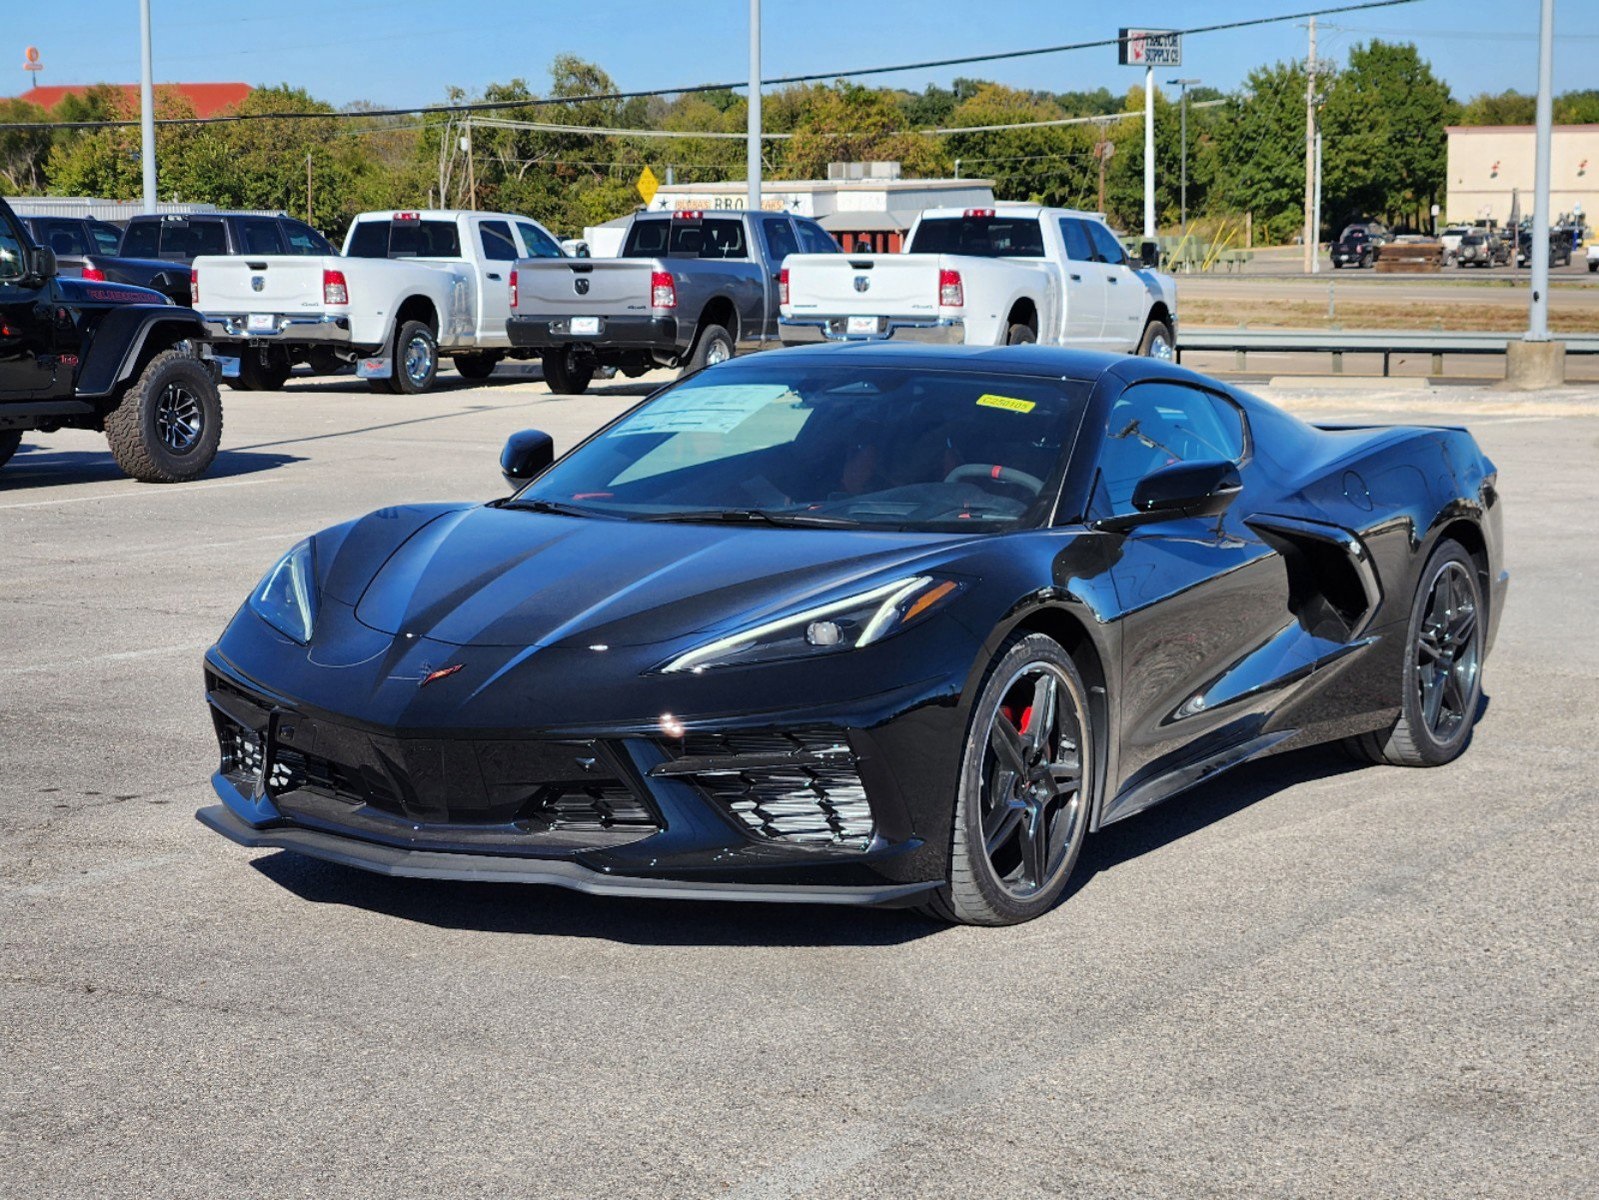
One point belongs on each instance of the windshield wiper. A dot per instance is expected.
(554, 506)
(753, 516)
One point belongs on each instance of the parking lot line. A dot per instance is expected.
(167, 490)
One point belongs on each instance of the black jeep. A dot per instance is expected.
(87, 354)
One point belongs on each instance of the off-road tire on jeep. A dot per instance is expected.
(566, 373)
(258, 376)
(401, 382)
(475, 366)
(10, 439)
(714, 345)
(168, 424)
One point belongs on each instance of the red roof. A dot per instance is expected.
(208, 98)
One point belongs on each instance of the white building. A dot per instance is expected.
(1489, 163)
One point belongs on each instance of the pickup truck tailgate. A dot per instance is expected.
(584, 285)
(884, 285)
(273, 284)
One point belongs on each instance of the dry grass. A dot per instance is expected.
(1465, 315)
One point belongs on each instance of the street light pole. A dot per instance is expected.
(1149, 154)
(1182, 104)
(752, 141)
(1538, 316)
(146, 109)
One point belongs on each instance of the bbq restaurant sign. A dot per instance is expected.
(1150, 48)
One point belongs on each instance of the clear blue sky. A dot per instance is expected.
(405, 52)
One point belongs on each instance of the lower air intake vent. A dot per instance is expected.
(795, 785)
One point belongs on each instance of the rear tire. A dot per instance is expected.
(168, 425)
(566, 373)
(414, 365)
(714, 345)
(1017, 832)
(1020, 335)
(1441, 683)
(10, 439)
(256, 375)
(1158, 342)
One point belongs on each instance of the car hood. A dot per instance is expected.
(510, 577)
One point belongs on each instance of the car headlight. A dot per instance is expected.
(286, 597)
(841, 625)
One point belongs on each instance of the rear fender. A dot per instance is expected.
(128, 337)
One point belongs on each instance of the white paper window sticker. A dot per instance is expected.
(713, 409)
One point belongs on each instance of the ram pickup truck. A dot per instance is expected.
(987, 277)
(184, 237)
(689, 288)
(87, 249)
(408, 286)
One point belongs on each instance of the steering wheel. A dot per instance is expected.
(998, 474)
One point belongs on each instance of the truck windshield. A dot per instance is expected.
(984, 237)
(806, 442)
(714, 237)
(405, 239)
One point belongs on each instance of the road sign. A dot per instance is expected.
(30, 59)
(1150, 48)
(647, 184)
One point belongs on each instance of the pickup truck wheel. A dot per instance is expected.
(258, 376)
(475, 366)
(566, 373)
(10, 439)
(1020, 335)
(715, 345)
(415, 360)
(168, 425)
(1158, 342)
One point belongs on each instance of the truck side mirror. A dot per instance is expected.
(526, 454)
(1149, 254)
(42, 262)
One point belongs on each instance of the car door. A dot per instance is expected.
(27, 341)
(500, 253)
(1125, 301)
(1200, 595)
(1086, 286)
(780, 240)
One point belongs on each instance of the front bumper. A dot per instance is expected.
(802, 331)
(554, 332)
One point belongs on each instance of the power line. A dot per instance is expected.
(813, 77)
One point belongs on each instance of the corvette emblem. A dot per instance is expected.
(862, 282)
(439, 674)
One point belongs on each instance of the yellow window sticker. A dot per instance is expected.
(1008, 403)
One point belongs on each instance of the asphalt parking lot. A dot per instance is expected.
(1302, 979)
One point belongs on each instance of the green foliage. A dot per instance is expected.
(1260, 151)
(851, 123)
(23, 152)
(1506, 108)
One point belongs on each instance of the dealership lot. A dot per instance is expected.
(1302, 979)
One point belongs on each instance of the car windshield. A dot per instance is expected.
(811, 443)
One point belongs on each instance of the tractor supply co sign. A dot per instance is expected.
(1150, 48)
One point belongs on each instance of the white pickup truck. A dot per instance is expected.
(986, 277)
(1593, 256)
(408, 286)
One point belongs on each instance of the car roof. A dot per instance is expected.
(1030, 359)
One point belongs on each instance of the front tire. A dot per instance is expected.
(1442, 677)
(566, 373)
(415, 362)
(1158, 342)
(10, 439)
(1021, 808)
(169, 422)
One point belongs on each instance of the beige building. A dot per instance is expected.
(1489, 162)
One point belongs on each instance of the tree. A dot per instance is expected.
(1260, 151)
(851, 123)
(106, 162)
(23, 152)
(1505, 108)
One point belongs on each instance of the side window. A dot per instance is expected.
(303, 239)
(498, 244)
(261, 235)
(780, 240)
(106, 236)
(539, 244)
(1153, 425)
(1105, 243)
(1079, 247)
(191, 239)
(813, 239)
(64, 237)
(143, 239)
(720, 237)
(11, 263)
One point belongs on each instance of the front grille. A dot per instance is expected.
(241, 757)
(787, 785)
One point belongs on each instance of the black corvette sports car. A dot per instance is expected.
(858, 624)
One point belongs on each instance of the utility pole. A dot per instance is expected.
(752, 138)
(308, 187)
(471, 167)
(1315, 262)
(1182, 103)
(1538, 250)
(1311, 233)
(1149, 154)
(146, 108)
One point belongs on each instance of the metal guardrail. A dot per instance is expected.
(1362, 341)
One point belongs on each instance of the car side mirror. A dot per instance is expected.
(525, 455)
(1149, 255)
(42, 262)
(1184, 489)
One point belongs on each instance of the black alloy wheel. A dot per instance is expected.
(168, 424)
(1021, 812)
(1442, 678)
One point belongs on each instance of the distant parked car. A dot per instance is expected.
(1355, 248)
(1593, 257)
(79, 244)
(184, 237)
(1482, 248)
(1559, 248)
(1450, 240)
